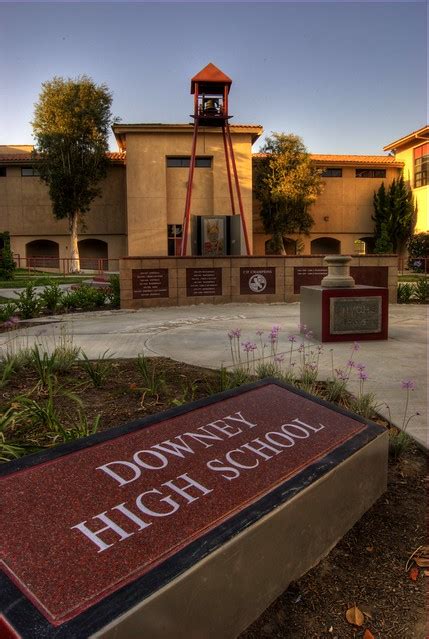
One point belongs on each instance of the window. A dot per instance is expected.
(421, 165)
(370, 173)
(174, 235)
(184, 161)
(29, 172)
(332, 172)
(2, 171)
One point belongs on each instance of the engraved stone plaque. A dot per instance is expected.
(203, 281)
(254, 281)
(149, 283)
(355, 315)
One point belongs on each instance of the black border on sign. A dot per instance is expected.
(26, 619)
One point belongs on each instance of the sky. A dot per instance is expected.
(348, 77)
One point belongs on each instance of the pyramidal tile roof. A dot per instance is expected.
(210, 74)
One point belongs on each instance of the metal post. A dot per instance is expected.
(228, 170)
(189, 192)
(237, 187)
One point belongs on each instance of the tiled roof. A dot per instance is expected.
(22, 158)
(210, 74)
(418, 134)
(385, 160)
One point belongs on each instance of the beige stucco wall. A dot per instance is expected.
(156, 194)
(348, 203)
(26, 212)
(421, 194)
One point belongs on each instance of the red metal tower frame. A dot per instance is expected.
(210, 88)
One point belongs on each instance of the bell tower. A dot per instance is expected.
(210, 88)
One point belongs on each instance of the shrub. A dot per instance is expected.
(421, 291)
(7, 311)
(51, 297)
(114, 292)
(405, 292)
(28, 302)
(418, 247)
(7, 264)
(85, 298)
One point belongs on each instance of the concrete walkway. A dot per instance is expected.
(198, 335)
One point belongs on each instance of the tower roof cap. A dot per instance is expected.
(210, 75)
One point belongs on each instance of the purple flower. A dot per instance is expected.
(8, 323)
(259, 332)
(14, 319)
(356, 346)
(409, 384)
(279, 358)
(351, 363)
(341, 374)
(275, 330)
(301, 348)
(309, 334)
(302, 328)
(236, 332)
(248, 346)
(363, 376)
(360, 367)
(273, 337)
(292, 338)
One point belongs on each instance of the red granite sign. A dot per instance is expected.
(80, 526)
(150, 282)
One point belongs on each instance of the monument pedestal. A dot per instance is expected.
(345, 314)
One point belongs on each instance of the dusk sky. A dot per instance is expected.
(349, 77)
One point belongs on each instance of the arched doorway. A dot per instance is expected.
(93, 254)
(42, 254)
(325, 246)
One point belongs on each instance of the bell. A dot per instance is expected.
(211, 106)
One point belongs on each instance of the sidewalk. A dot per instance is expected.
(198, 335)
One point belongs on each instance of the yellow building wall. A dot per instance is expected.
(421, 194)
(156, 193)
(346, 201)
(26, 212)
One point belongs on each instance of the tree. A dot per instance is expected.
(286, 185)
(71, 126)
(394, 216)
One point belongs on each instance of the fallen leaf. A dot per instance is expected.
(369, 548)
(414, 573)
(422, 562)
(354, 616)
(368, 634)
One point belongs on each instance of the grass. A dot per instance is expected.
(412, 277)
(39, 278)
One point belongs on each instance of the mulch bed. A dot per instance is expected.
(366, 568)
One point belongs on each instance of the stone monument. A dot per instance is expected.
(338, 310)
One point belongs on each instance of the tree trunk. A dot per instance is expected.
(74, 248)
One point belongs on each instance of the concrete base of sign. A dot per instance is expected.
(345, 314)
(225, 592)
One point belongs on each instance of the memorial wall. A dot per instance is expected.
(180, 281)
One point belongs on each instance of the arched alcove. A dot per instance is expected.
(43, 254)
(325, 246)
(93, 254)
